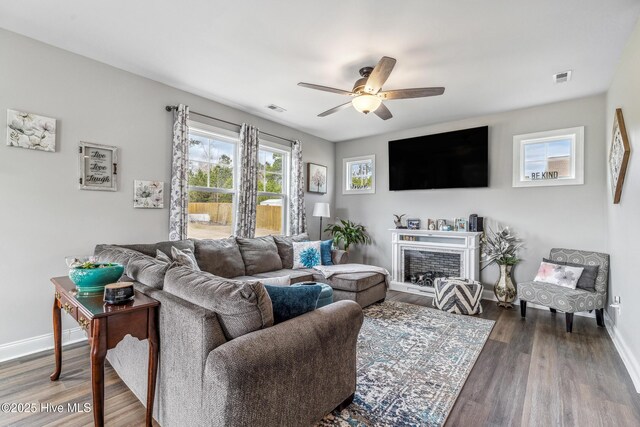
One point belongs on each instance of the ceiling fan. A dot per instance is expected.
(367, 92)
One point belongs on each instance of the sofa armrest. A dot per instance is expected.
(338, 256)
(290, 374)
(188, 333)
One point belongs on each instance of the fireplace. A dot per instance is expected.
(421, 267)
(420, 256)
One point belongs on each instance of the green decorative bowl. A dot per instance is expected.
(93, 280)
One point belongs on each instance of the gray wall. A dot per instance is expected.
(44, 217)
(569, 216)
(624, 234)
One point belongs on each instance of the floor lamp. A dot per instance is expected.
(321, 210)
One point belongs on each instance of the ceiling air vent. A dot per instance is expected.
(276, 108)
(562, 77)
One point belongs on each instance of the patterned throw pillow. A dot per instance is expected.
(560, 275)
(306, 254)
(184, 257)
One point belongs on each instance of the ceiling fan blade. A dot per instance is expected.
(379, 75)
(383, 112)
(325, 88)
(419, 92)
(335, 109)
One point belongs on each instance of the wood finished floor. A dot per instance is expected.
(530, 373)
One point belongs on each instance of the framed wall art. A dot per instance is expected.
(27, 130)
(359, 175)
(148, 194)
(619, 153)
(549, 158)
(98, 167)
(316, 178)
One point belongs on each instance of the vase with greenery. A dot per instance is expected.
(501, 248)
(348, 233)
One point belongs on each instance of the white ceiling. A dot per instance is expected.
(491, 55)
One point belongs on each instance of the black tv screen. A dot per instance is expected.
(458, 159)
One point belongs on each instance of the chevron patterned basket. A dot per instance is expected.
(456, 295)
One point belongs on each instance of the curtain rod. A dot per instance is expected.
(173, 107)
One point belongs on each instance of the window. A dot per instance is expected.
(213, 172)
(359, 175)
(211, 185)
(272, 194)
(549, 158)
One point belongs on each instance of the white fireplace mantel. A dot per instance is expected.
(464, 244)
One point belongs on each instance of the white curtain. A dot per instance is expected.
(297, 213)
(179, 204)
(245, 220)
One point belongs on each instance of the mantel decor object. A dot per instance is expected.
(618, 155)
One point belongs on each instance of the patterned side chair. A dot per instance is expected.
(569, 300)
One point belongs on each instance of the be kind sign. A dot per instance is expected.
(98, 167)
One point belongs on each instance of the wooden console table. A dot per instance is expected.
(106, 325)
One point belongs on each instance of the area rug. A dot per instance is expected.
(412, 364)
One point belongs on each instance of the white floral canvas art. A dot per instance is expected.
(148, 194)
(27, 130)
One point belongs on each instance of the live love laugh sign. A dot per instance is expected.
(98, 167)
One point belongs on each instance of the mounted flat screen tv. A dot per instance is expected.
(458, 159)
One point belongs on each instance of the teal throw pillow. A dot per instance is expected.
(289, 302)
(325, 252)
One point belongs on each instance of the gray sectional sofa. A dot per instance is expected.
(222, 361)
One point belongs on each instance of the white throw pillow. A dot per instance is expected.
(560, 275)
(306, 254)
(274, 281)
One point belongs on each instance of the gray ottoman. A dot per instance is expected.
(456, 295)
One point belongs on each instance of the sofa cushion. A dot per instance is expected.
(292, 301)
(285, 247)
(147, 270)
(325, 252)
(220, 257)
(184, 257)
(151, 248)
(355, 282)
(563, 299)
(241, 307)
(115, 254)
(306, 254)
(259, 254)
(296, 276)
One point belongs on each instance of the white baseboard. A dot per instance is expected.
(629, 360)
(32, 345)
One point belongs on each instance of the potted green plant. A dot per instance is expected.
(501, 247)
(348, 233)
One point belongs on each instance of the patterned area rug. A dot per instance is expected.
(412, 364)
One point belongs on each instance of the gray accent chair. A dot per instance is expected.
(570, 301)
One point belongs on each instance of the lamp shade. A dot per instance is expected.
(366, 103)
(321, 210)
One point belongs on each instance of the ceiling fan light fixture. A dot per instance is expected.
(366, 103)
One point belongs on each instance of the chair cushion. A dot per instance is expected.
(220, 257)
(296, 276)
(585, 258)
(563, 299)
(285, 247)
(355, 282)
(292, 301)
(259, 254)
(241, 307)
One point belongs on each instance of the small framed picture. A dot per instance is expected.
(148, 194)
(431, 224)
(462, 224)
(98, 167)
(316, 178)
(413, 224)
(441, 224)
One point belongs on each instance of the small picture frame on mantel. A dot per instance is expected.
(98, 166)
